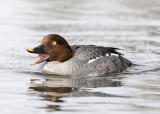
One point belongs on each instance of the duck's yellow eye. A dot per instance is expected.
(54, 43)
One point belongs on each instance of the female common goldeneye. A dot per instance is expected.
(84, 60)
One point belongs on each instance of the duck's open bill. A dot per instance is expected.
(42, 55)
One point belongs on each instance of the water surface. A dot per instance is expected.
(132, 25)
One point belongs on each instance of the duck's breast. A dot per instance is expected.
(70, 67)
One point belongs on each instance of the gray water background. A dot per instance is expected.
(132, 25)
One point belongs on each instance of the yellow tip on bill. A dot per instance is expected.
(30, 50)
(33, 64)
(30, 90)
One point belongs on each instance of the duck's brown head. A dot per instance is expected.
(53, 48)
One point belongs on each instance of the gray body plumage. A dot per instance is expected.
(89, 61)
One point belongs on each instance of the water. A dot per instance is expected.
(132, 25)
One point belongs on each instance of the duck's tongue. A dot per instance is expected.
(40, 58)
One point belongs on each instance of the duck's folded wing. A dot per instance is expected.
(89, 52)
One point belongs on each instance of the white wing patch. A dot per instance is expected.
(90, 61)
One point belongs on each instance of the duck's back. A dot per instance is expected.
(98, 60)
(90, 60)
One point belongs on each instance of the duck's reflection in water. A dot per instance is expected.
(53, 88)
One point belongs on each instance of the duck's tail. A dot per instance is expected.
(125, 62)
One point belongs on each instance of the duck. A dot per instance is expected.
(80, 60)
